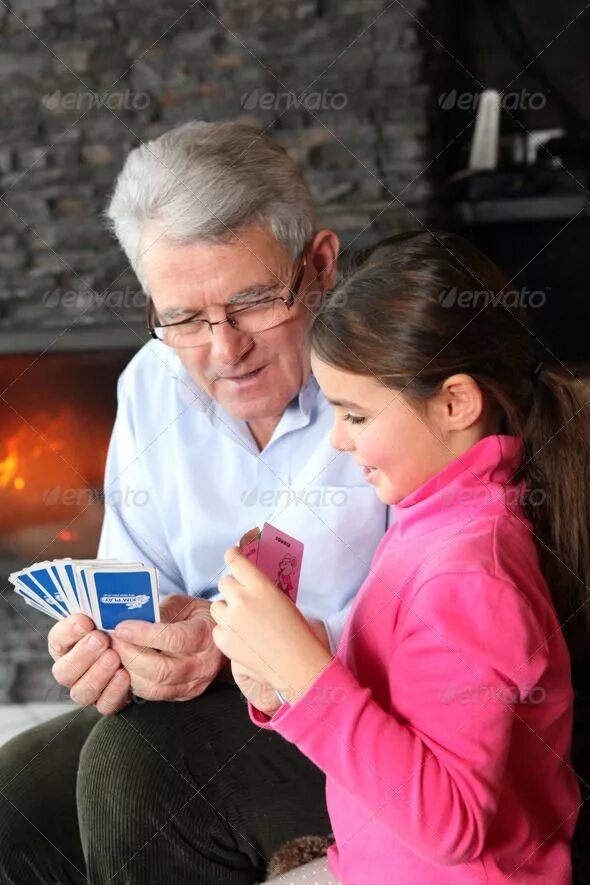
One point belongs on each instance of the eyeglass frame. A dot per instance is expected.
(150, 310)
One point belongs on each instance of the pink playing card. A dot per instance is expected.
(279, 556)
(250, 548)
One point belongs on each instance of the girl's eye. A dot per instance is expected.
(353, 419)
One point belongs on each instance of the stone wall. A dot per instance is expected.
(341, 84)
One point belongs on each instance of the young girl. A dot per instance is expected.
(444, 721)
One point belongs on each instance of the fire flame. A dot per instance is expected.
(49, 453)
(29, 444)
(9, 469)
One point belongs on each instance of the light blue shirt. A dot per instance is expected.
(184, 481)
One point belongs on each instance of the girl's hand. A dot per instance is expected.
(259, 628)
(260, 694)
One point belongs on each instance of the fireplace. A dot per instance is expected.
(56, 418)
(58, 397)
(56, 411)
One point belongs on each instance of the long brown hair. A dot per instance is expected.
(420, 307)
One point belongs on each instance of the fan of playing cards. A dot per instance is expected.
(106, 590)
(109, 591)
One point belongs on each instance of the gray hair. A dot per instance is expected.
(205, 181)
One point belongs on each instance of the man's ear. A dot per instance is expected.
(460, 402)
(323, 254)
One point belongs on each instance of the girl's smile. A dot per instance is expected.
(400, 444)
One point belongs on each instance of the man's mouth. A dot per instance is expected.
(245, 377)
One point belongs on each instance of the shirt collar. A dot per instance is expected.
(189, 392)
(481, 480)
(307, 396)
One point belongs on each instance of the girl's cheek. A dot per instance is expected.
(372, 450)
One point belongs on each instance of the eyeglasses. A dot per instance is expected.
(252, 316)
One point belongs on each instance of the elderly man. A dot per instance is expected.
(220, 426)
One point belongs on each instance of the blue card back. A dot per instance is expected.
(124, 595)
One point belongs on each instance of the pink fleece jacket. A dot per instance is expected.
(444, 722)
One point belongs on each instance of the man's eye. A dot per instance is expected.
(353, 419)
(249, 304)
(178, 317)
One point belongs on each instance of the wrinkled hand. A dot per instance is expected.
(86, 663)
(174, 660)
(259, 628)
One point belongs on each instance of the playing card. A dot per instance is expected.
(277, 554)
(38, 580)
(33, 601)
(106, 590)
(82, 588)
(66, 571)
(120, 594)
(61, 582)
(249, 544)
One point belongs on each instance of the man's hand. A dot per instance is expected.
(86, 663)
(174, 660)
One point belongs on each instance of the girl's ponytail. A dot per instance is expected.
(556, 433)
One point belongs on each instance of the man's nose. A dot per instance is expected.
(228, 345)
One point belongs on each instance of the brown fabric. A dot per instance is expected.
(297, 852)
